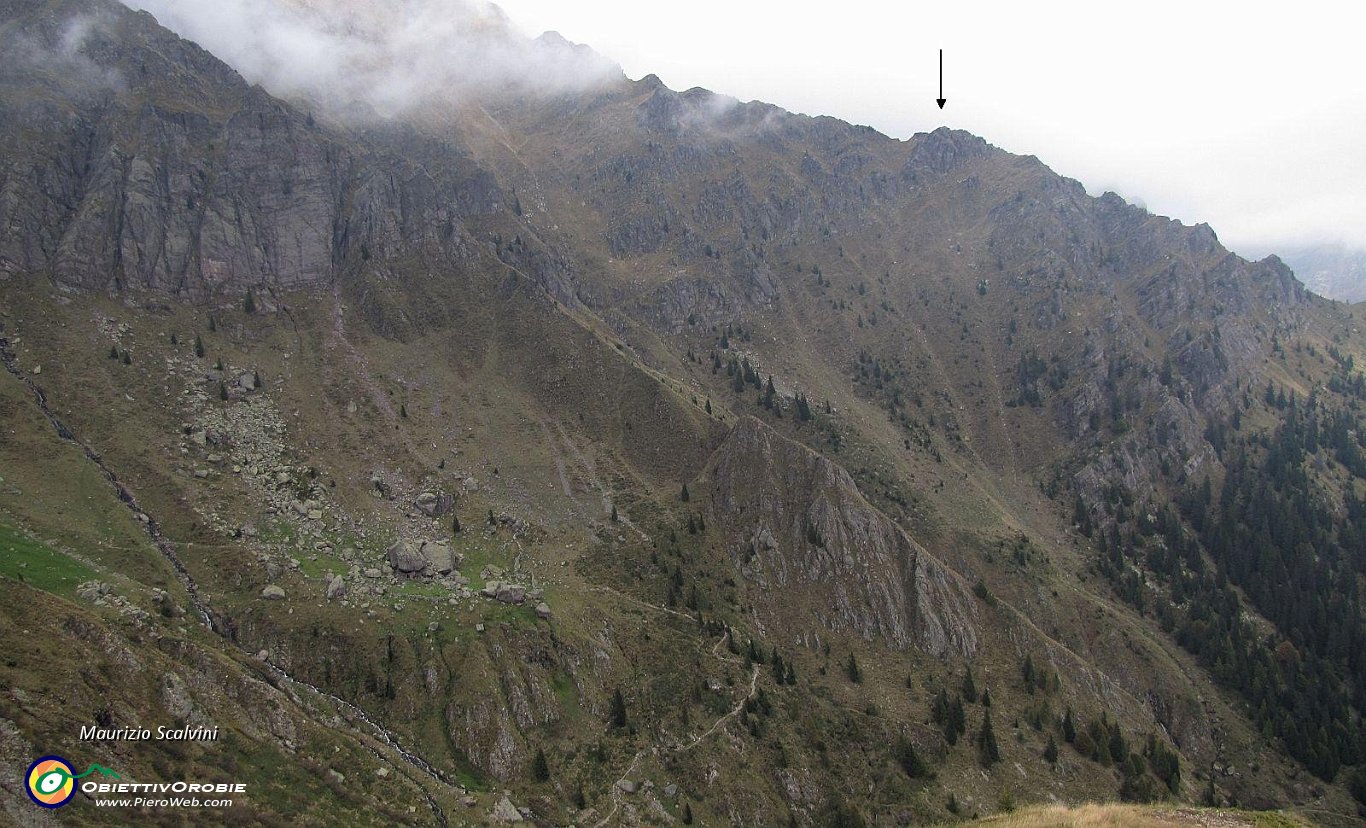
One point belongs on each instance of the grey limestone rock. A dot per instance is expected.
(406, 558)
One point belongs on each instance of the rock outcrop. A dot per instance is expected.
(799, 531)
(198, 184)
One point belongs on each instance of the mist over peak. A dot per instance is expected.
(389, 57)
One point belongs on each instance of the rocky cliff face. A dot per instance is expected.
(560, 295)
(822, 557)
(134, 159)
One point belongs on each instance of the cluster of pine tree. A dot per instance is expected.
(1275, 537)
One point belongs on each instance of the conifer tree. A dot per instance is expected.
(987, 750)
(909, 760)
(969, 687)
(958, 719)
(851, 669)
(618, 711)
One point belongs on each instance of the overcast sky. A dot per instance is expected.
(1250, 116)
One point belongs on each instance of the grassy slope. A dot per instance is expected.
(491, 404)
(1093, 815)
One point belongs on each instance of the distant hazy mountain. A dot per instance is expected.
(1330, 270)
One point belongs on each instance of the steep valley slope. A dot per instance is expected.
(632, 456)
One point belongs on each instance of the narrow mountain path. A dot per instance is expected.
(735, 711)
(615, 793)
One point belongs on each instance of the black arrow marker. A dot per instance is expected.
(941, 100)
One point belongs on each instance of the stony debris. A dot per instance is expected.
(169, 607)
(273, 593)
(379, 488)
(511, 594)
(336, 587)
(175, 697)
(506, 593)
(543, 610)
(505, 811)
(102, 594)
(434, 505)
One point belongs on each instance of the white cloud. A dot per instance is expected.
(392, 56)
(1250, 116)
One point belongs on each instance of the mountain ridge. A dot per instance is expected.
(945, 417)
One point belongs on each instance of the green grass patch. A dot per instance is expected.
(564, 688)
(276, 531)
(1272, 819)
(477, 556)
(38, 566)
(323, 565)
(508, 614)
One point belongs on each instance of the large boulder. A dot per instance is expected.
(505, 811)
(336, 588)
(434, 505)
(273, 593)
(511, 593)
(406, 558)
(440, 557)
